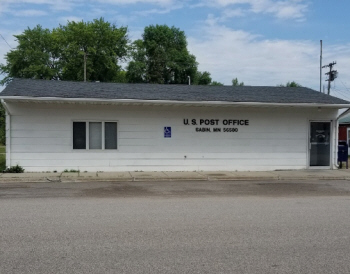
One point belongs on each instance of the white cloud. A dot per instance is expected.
(43, 7)
(159, 11)
(225, 3)
(64, 3)
(4, 8)
(29, 13)
(135, 34)
(228, 13)
(11, 6)
(227, 53)
(281, 9)
(124, 2)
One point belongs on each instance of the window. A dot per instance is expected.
(110, 135)
(79, 135)
(94, 135)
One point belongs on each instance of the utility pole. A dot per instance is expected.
(332, 74)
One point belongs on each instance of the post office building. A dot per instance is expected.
(58, 125)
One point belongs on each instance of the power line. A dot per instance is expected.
(339, 94)
(345, 92)
(344, 85)
(344, 95)
(6, 41)
(342, 92)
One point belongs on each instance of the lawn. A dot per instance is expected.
(2, 158)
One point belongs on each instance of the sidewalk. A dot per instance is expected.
(309, 174)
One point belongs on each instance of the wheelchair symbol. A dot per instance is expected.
(167, 132)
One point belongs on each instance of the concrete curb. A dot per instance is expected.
(173, 176)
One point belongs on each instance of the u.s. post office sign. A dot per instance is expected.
(224, 125)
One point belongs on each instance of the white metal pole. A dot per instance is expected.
(321, 68)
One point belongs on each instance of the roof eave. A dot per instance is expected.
(166, 102)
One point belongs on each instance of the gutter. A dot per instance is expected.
(169, 102)
(8, 133)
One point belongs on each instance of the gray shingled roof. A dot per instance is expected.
(258, 94)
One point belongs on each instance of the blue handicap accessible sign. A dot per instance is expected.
(167, 132)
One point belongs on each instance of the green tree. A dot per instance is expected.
(121, 77)
(36, 56)
(215, 83)
(202, 78)
(136, 69)
(235, 82)
(103, 44)
(59, 54)
(163, 51)
(292, 84)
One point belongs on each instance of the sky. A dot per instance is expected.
(261, 42)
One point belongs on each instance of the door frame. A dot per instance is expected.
(331, 144)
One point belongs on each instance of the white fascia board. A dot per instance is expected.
(5, 106)
(168, 102)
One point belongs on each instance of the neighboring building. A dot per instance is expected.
(57, 125)
(344, 129)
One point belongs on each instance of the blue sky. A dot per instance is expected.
(261, 42)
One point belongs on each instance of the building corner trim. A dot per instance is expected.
(8, 133)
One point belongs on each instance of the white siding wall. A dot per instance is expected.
(276, 138)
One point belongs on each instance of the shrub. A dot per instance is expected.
(72, 170)
(2, 162)
(14, 169)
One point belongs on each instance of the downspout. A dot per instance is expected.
(336, 130)
(8, 133)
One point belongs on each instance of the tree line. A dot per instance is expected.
(161, 56)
